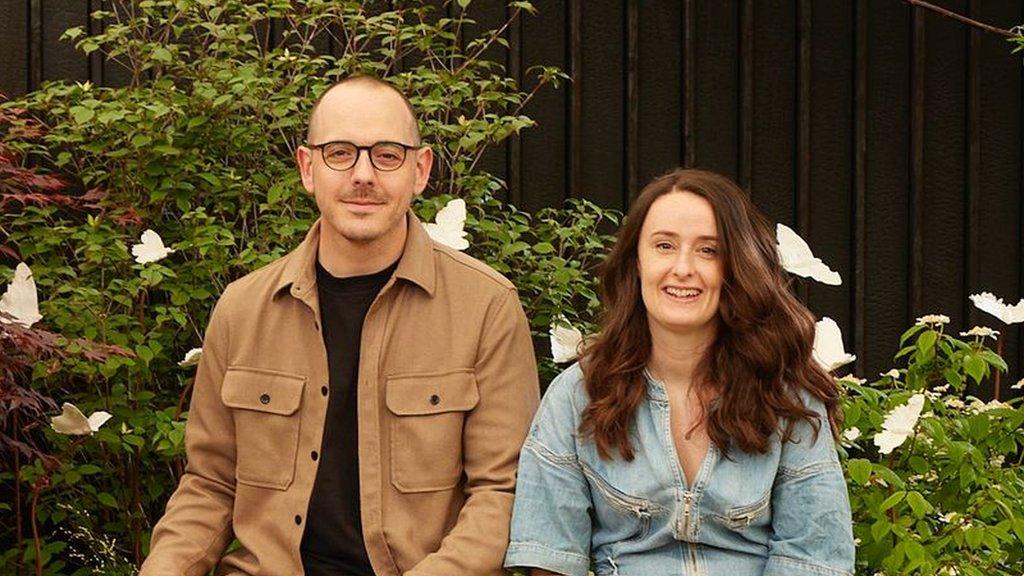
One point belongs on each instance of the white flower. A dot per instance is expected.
(944, 388)
(565, 341)
(797, 258)
(151, 249)
(191, 358)
(955, 403)
(987, 302)
(899, 424)
(21, 300)
(1019, 385)
(894, 374)
(449, 228)
(828, 345)
(997, 461)
(933, 319)
(851, 379)
(72, 421)
(981, 332)
(947, 517)
(852, 434)
(978, 406)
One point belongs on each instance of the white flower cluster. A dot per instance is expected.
(981, 332)
(933, 320)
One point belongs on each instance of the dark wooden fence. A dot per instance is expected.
(889, 137)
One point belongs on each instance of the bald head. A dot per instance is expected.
(367, 98)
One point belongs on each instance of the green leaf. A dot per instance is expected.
(81, 114)
(859, 470)
(927, 340)
(975, 367)
(879, 529)
(163, 55)
(893, 500)
(918, 504)
(107, 500)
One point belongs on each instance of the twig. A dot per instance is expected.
(963, 19)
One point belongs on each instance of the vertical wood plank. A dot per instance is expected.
(689, 88)
(803, 132)
(632, 101)
(917, 72)
(973, 161)
(746, 159)
(660, 104)
(35, 34)
(575, 97)
(860, 181)
(718, 86)
(604, 173)
(92, 27)
(515, 143)
(15, 46)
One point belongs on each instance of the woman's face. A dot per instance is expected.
(680, 265)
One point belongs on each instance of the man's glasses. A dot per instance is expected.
(385, 156)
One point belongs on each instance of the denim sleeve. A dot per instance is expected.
(813, 533)
(551, 515)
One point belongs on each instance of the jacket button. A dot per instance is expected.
(314, 455)
(323, 390)
(265, 399)
(298, 519)
(435, 399)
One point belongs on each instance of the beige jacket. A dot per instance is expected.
(447, 389)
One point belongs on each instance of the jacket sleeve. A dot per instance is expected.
(551, 520)
(196, 526)
(493, 433)
(813, 530)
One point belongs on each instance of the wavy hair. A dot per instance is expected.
(750, 377)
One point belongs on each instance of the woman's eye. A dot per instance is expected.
(710, 250)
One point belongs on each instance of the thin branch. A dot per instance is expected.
(963, 19)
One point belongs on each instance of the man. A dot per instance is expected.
(361, 402)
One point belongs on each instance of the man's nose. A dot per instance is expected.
(363, 171)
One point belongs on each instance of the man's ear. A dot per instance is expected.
(424, 161)
(304, 159)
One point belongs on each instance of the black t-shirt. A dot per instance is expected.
(332, 542)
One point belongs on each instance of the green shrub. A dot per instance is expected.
(950, 498)
(199, 148)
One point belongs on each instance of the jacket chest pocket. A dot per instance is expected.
(427, 412)
(264, 406)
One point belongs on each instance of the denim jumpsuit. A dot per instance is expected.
(782, 513)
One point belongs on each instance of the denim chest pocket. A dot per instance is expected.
(630, 517)
(741, 517)
(427, 413)
(264, 406)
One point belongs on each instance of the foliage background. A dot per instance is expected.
(198, 147)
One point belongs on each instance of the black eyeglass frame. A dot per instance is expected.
(369, 153)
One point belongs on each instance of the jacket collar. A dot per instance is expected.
(416, 264)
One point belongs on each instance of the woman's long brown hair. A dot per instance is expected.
(761, 357)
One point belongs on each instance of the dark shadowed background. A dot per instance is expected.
(890, 138)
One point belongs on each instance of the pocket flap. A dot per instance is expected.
(418, 394)
(262, 390)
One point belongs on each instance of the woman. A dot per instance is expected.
(696, 435)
